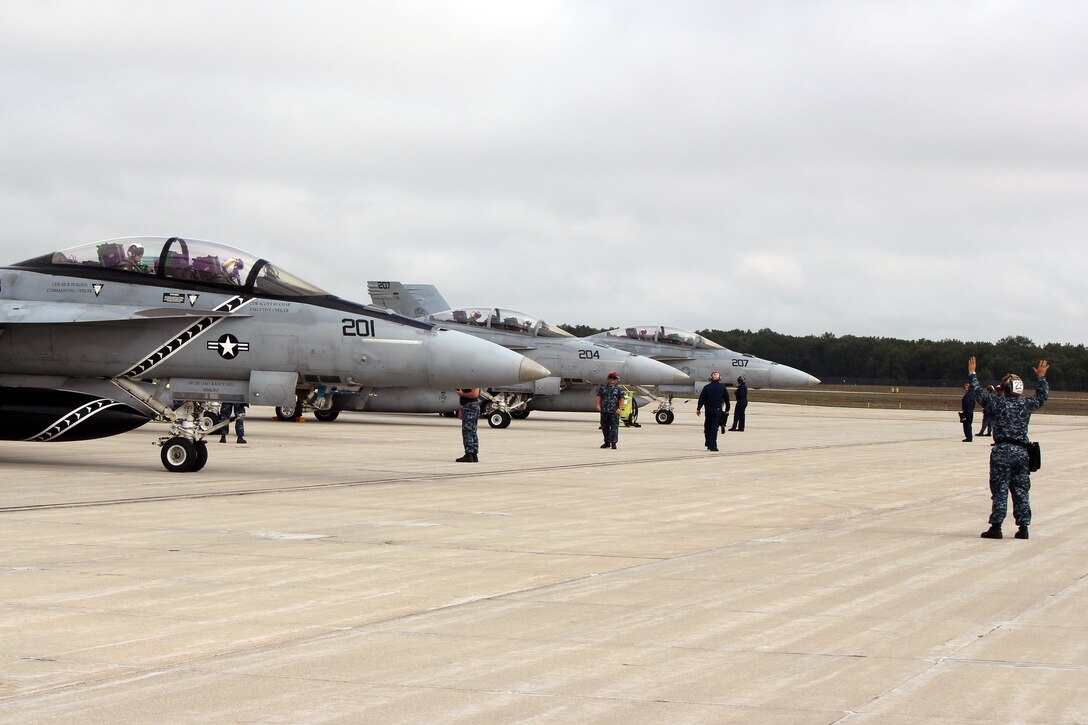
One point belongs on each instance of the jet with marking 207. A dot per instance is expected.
(98, 339)
(697, 356)
(579, 366)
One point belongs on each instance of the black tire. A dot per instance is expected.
(498, 419)
(179, 455)
(326, 416)
(520, 414)
(201, 455)
(664, 417)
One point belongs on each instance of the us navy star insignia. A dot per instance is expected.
(228, 346)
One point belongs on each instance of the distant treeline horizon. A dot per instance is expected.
(852, 360)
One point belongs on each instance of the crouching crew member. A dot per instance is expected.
(1010, 414)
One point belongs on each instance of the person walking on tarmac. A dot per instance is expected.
(742, 404)
(967, 413)
(713, 396)
(1010, 469)
(238, 410)
(469, 398)
(609, 401)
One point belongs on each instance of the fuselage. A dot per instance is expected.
(697, 357)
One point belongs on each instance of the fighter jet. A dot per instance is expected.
(697, 356)
(98, 339)
(578, 366)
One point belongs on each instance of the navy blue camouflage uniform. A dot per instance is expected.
(238, 410)
(470, 418)
(610, 397)
(1008, 455)
(713, 396)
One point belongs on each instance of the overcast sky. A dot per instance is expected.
(866, 168)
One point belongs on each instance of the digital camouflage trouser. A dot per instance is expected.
(1009, 474)
(470, 417)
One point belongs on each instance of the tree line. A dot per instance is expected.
(889, 361)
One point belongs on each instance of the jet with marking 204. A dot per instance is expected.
(98, 339)
(578, 365)
(697, 356)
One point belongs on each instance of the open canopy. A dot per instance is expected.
(499, 319)
(184, 260)
(665, 335)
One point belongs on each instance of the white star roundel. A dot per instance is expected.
(228, 346)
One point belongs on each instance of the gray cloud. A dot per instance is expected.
(867, 168)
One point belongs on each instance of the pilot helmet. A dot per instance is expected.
(741, 379)
(613, 375)
(1012, 385)
(136, 250)
(715, 376)
(234, 263)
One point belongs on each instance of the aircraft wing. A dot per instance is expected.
(16, 312)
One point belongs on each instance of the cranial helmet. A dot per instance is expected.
(613, 375)
(136, 249)
(1012, 385)
(715, 376)
(741, 378)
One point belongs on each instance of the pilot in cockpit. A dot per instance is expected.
(233, 268)
(134, 258)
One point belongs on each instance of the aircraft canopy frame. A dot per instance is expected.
(497, 318)
(665, 336)
(182, 260)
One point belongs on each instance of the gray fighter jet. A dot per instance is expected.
(697, 356)
(97, 340)
(578, 366)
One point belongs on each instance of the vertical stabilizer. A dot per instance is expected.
(413, 300)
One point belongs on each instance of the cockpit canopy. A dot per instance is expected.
(185, 260)
(666, 335)
(499, 319)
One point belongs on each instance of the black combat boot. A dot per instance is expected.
(1022, 532)
(604, 445)
(475, 457)
(994, 532)
(467, 458)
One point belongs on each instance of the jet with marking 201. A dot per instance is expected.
(697, 356)
(98, 339)
(578, 365)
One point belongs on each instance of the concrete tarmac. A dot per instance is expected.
(824, 567)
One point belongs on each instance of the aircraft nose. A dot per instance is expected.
(532, 370)
(640, 370)
(783, 376)
(460, 360)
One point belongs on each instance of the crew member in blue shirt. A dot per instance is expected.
(609, 401)
(713, 396)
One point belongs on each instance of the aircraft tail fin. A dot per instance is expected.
(413, 300)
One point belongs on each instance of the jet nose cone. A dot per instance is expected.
(783, 376)
(460, 360)
(532, 370)
(639, 370)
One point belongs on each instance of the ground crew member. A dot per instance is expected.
(609, 401)
(469, 398)
(967, 413)
(238, 410)
(742, 404)
(713, 396)
(1010, 414)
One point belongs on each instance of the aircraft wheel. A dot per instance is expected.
(498, 419)
(326, 416)
(179, 455)
(289, 413)
(664, 417)
(520, 414)
(201, 455)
